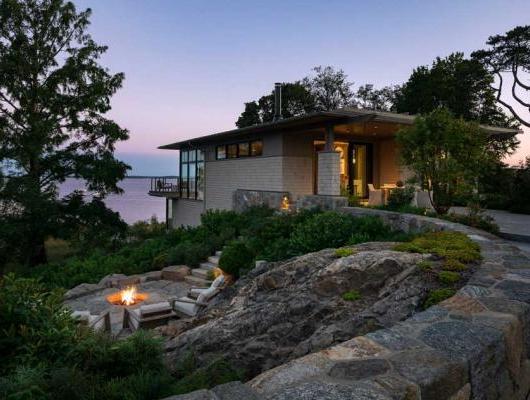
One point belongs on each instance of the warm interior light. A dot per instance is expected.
(285, 203)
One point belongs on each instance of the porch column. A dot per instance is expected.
(328, 179)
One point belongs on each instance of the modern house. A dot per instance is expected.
(309, 159)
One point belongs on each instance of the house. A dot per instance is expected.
(309, 160)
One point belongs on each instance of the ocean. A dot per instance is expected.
(134, 204)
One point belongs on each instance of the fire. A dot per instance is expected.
(128, 296)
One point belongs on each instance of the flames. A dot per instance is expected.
(128, 296)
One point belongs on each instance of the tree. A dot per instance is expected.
(461, 85)
(446, 153)
(330, 88)
(509, 54)
(383, 99)
(53, 97)
(296, 100)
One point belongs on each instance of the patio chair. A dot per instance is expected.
(188, 307)
(375, 196)
(148, 316)
(98, 323)
(216, 284)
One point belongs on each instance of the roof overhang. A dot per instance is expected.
(314, 121)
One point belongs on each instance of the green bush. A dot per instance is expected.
(452, 264)
(188, 253)
(448, 277)
(450, 245)
(143, 230)
(236, 258)
(437, 295)
(475, 220)
(344, 252)
(400, 197)
(351, 295)
(425, 265)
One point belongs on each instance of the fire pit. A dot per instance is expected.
(127, 297)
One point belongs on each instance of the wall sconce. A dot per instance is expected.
(285, 205)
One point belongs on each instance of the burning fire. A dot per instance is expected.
(127, 297)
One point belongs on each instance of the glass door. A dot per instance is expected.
(360, 168)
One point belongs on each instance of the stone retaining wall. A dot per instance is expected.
(475, 345)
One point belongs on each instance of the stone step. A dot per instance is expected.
(196, 281)
(201, 273)
(214, 260)
(208, 265)
(218, 253)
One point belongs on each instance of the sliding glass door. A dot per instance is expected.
(360, 162)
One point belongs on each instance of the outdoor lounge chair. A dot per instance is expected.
(375, 196)
(217, 283)
(99, 322)
(189, 307)
(147, 316)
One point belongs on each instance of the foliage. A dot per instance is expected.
(400, 197)
(448, 277)
(215, 373)
(329, 88)
(521, 188)
(188, 253)
(446, 154)
(476, 220)
(39, 341)
(438, 295)
(52, 117)
(508, 54)
(450, 245)
(351, 295)
(143, 230)
(452, 264)
(383, 99)
(236, 258)
(344, 252)
(425, 265)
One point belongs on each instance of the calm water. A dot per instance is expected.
(134, 204)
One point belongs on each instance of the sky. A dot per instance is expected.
(190, 65)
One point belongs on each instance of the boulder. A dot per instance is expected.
(295, 307)
(111, 280)
(82, 290)
(175, 272)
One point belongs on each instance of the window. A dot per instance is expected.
(241, 149)
(256, 148)
(231, 151)
(220, 152)
(192, 174)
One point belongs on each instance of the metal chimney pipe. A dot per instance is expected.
(277, 101)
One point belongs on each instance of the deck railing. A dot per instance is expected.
(164, 185)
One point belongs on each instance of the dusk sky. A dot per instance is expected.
(190, 65)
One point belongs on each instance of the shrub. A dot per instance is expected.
(236, 258)
(448, 277)
(351, 295)
(188, 253)
(143, 230)
(215, 221)
(425, 265)
(452, 264)
(344, 252)
(324, 230)
(400, 197)
(476, 220)
(451, 245)
(437, 295)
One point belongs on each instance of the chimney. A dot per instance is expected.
(277, 101)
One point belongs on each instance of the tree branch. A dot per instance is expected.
(509, 107)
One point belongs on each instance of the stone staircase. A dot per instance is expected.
(200, 276)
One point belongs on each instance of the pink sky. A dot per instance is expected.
(190, 65)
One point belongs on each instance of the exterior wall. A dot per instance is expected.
(386, 157)
(298, 175)
(186, 212)
(224, 177)
(329, 173)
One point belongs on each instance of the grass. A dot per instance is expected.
(448, 277)
(344, 252)
(351, 295)
(438, 295)
(425, 265)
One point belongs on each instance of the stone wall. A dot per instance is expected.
(243, 199)
(474, 345)
(328, 173)
(322, 202)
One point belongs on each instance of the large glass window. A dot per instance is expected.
(241, 149)
(192, 174)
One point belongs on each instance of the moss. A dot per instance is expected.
(448, 277)
(351, 295)
(344, 252)
(452, 264)
(425, 266)
(437, 295)
(450, 245)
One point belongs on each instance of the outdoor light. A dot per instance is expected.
(285, 203)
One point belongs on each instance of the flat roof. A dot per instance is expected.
(318, 119)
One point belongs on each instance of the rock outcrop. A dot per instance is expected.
(281, 311)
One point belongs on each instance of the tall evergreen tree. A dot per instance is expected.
(53, 98)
